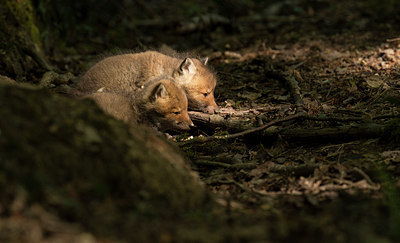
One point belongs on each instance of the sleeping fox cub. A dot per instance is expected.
(131, 72)
(161, 104)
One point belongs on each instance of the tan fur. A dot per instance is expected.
(130, 72)
(161, 103)
(117, 105)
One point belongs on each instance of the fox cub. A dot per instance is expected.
(130, 72)
(161, 104)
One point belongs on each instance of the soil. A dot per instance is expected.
(297, 180)
(309, 188)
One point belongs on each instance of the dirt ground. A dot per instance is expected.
(314, 183)
(331, 174)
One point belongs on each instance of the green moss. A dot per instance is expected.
(23, 11)
(88, 168)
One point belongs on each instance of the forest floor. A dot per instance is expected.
(332, 174)
(316, 179)
(315, 175)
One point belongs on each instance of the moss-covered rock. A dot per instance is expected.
(88, 168)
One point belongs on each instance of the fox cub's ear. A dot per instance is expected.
(159, 91)
(187, 67)
(204, 60)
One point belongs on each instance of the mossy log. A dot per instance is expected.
(88, 168)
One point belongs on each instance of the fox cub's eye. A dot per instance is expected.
(177, 112)
(205, 94)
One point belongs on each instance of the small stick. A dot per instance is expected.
(332, 118)
(203, 162)
(294, 90)
(393, 39)
(257, 129)
(246, 132)
(363, 174)
(293, 86)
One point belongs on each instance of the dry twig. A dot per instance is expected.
(243, 133)
(293, 87)
(209, 163)
(363, 174)
(393, 39)
(365, 128)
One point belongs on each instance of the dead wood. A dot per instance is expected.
(393, 39)
(215, 120)
(245, 132)
(294, 90)
(364, 128)
(365, 175)
(209, 163)
(292, 86)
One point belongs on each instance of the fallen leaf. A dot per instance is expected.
(262, 169)
(341, 70)
(330, 55)
(374, 81)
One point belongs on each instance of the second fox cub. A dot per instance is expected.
(161, 103)
(129, 72)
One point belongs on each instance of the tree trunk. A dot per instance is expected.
(20, 45)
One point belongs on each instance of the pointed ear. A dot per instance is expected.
(187, 67)
(159, 91)
(204, 60)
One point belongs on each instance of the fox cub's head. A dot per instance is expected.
(164, 104)
(199, 84)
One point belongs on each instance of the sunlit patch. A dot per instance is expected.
(187, 139)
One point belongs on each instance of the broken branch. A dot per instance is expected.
(292, 85)
(245, 132)
(365, 128)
